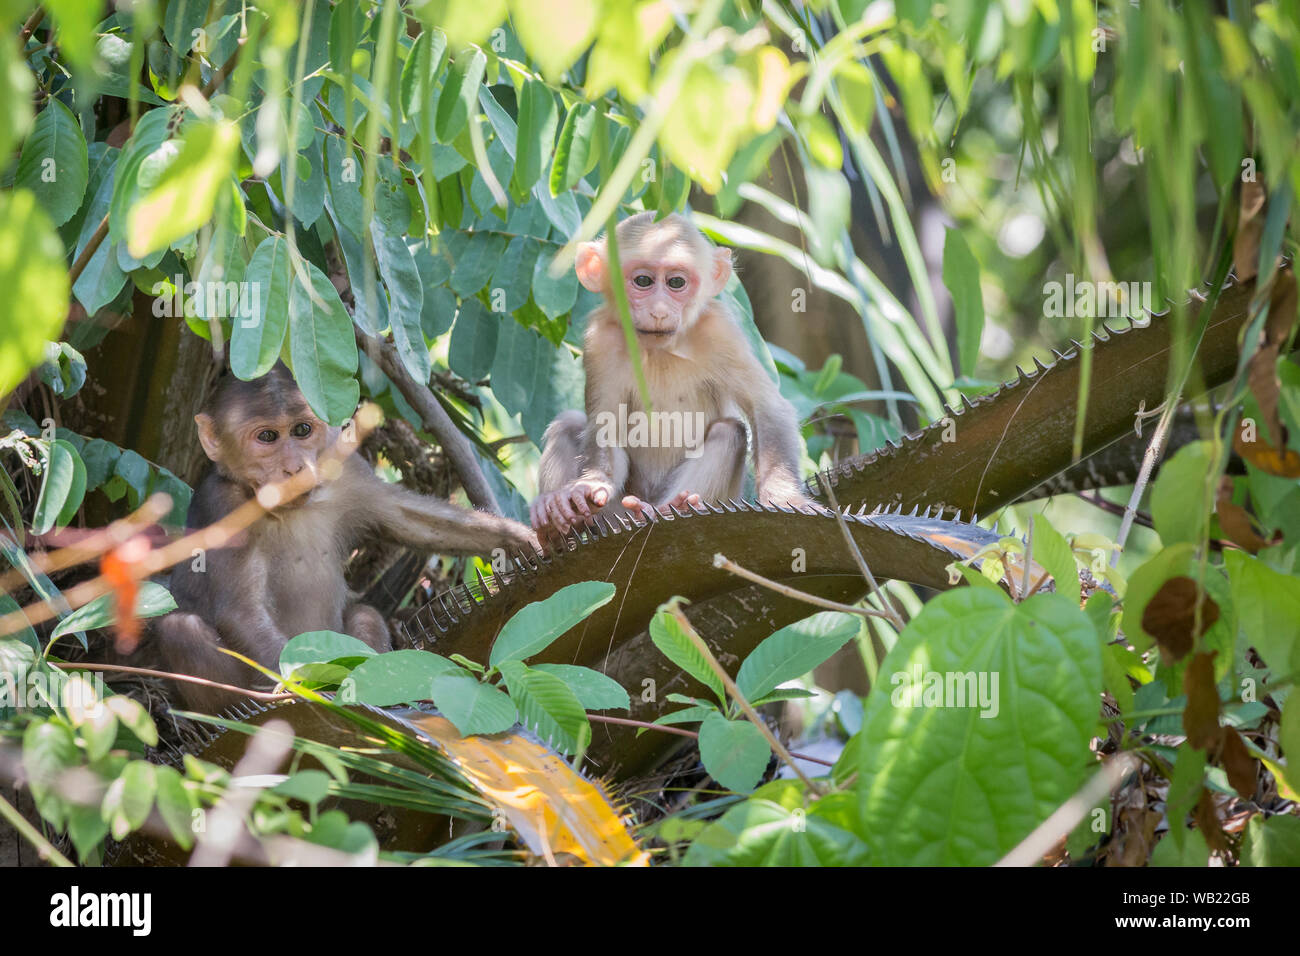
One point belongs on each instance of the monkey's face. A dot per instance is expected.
(259, 447)
(664, 299)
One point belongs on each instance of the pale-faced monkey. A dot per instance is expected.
(284, 575)
(703, 380)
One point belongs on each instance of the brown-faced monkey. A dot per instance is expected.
(284, 575)
(703, 380)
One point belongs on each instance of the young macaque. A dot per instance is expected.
(283, 576)
(703, 381)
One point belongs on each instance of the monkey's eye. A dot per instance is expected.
(677, 282)
(267, 436)
(301, 430)
(643, 281)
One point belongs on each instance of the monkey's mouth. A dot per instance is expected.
(656, 333)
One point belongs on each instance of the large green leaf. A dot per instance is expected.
(1268, 609)
(423, 64)
(535, 626)
(62, 488)
(473, 341)
(555, 33)
(255, 341)
(321, 647)
(669, 637)
(474, 707)
(323, 347)
(459, 94)
(763, 833)
(49, 749)
(548, 707)
(151, 600)
(735, 752)
(594, 690)
(554, 295)
(399, 677)
(961, 275)
(398, 269)
(16, 93)
(574, 156)
(54, 164)
(35, 282)
(1179, 506)
(183, 198)
(537, 123)
(794, 651)
(952, 779)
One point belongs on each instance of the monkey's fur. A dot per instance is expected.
(284, 575)
(697, 363)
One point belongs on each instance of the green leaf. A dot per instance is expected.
(255, 341)
(704, 127)
(596, 691)
(31, 272)
(1268, 611)
(62, 488)
(830, 208)
(186, 192)
(423, 64)
(321, 647)
(734, 752)
(129, 799)
(537, 122)
(474, 707)
(534, 627)
(152, 600)
(16, 93)
(794, 651)
(675, 645)
(961, 275)
(16, 652)
(959, 780)
(687, 715)
(54, 164)
(1143, 585)
(473, 341)
(548, 707)
(478, 260)
(509, 286)
(763, 833)
(1272, 842)
(554, 33)
(323, 347)
(309, 786)
(49, 749)
(459, 94)
(462, 22)
(573, 154)
(131, 715)
(1179, 506)
(182, 18)
(399, 677)
(398, 269)
(857, 92)
(176, 805)
(1053, 553)
(554, 296)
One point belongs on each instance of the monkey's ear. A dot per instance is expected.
(208, 435)
(590, 266)
(717, 280)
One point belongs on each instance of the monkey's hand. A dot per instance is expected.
(560, 510)
(643, 509)
(781, 493)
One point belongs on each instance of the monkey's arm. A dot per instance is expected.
(423, 522)
(775, 427)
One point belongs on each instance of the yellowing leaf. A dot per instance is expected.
(185, 194)
(554, 33)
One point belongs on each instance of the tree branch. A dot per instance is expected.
(436, 421)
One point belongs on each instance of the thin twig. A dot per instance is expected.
(44, 848)
(1155, 449)
(1069, 814)
(693, 735)
(892, 616)
(722, 561)
(219, 77)
(34, 21)
(168, 675)
(92, 245)
(436, 421)
(734, 693)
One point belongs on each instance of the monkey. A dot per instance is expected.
(698, 369)
(284, 576)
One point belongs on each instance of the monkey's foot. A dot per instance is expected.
(643, 509)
